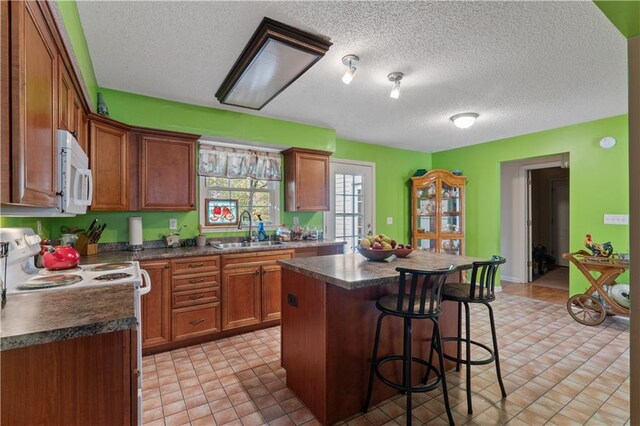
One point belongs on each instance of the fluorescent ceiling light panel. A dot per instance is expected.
(276, 56)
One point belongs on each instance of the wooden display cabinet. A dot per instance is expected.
(437, 212)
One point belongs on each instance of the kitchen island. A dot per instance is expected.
(328, 326)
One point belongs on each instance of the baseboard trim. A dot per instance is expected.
(511, 279)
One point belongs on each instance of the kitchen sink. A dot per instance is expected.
(247, 244)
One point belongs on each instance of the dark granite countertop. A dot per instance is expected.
(170, 253)
(351, 271)
(47, 316)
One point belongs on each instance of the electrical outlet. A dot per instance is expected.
(616, 219)
(389, 220)
(173, 224)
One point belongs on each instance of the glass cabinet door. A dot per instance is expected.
(426, 206)
(450, 209)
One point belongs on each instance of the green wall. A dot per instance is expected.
(625, 15)
(599, 183)
(69, 11)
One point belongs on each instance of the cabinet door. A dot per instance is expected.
(312, 182)
(81, 127)
(109, 164)
(34, 107)
(271, 292)
(156, 305)
(66, 120)
(167, 173)
(240, 297)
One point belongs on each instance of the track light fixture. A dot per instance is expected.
(395, 78)
(350, 61)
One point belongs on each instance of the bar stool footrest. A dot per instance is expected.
(485, 361)
(425, 388)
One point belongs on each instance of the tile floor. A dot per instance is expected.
(556, 372)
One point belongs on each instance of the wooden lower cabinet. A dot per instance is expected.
(240, 296)
(195, 321)
(271, 289)
(84, 381)
(156, 305)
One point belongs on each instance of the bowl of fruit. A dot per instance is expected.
(403, 250)
(377, 247)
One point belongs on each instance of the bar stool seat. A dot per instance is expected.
(417, 302)
(481, 290)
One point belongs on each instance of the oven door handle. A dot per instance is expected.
(146, 288)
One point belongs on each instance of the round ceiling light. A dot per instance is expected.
(464, 120)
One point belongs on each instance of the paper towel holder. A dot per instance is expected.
(135, 234)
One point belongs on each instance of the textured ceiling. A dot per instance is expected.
(523, 66)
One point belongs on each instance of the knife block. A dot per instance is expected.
(85, 247)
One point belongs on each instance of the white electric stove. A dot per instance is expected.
(22, 276)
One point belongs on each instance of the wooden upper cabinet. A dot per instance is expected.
(66, 97)
(167, 173)
(5, 106)
(110, 166)
(34, 118)
(306, 174)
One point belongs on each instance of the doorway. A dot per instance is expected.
(535, 220)
(351, 215)
(549, 236)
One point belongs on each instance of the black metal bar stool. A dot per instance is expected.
(481, 289)
(414, 303)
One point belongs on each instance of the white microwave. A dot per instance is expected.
(75, 183)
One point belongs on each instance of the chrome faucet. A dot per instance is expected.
(250, 224)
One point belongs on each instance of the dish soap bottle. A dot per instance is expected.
(262, 235)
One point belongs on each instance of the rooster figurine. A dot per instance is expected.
(602, 250)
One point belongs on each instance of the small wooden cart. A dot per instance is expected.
(585, 308)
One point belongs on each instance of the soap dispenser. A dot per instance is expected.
(262, 235)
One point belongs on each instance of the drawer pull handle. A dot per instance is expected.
(196, 265)
(196, 281)
(199, 296)
(196, 322)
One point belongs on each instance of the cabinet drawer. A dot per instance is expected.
(196, 297)
(255, 258)
(196, 321)
(196, 281)
(191, 265)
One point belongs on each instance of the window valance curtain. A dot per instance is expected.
(239, 163)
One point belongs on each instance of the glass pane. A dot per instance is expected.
(339, 226)
(220, 195)
(451, 224)
(339, 184)
(261, 199)
(339, 204)
(241, 196)
(348, 207)
(426, 224)
(427, 245)
(218, 182)
(348, 184)
(450, 201)
(451, 246)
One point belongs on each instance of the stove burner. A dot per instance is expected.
(51, 281)
(114, 276)
(111, 266)
(60, 271)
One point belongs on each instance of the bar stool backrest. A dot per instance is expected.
(483, 278)
(424, 299)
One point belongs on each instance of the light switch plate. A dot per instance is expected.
(389, 220)
(616, 219)
(173, 224)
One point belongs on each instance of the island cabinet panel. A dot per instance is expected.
(156, 305)
(167, 173)
(34, 106)
(327, 339)
(110, 166)
(240, 296)
(306, 180)
(83, 381)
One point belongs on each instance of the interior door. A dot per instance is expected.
(351, 215)
(560, 219)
